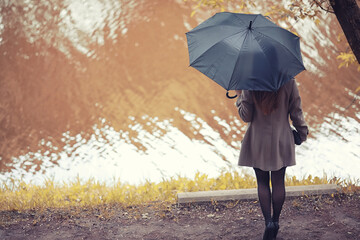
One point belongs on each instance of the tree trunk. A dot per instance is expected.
(348, 15)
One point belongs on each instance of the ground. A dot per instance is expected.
(314, 217)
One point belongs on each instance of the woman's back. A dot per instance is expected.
(268, 143)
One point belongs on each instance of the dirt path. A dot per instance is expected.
(319, 217)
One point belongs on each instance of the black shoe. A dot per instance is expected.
(276, 229)
(269, 231)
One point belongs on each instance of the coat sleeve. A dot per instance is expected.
(296, 113)
(245, 106)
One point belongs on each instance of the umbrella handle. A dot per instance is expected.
(231, 97)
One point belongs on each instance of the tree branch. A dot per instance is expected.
(322, 8)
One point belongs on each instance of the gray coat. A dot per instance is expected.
(268, 143)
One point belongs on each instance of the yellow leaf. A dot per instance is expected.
(342, 64)
(192, 13)
(357, 90)
(339, 36)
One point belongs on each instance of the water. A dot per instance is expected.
(103, 89)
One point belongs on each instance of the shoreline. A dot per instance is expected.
(303, 217)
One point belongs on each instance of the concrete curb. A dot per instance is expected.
(251, 193)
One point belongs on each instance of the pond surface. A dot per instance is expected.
(103, 89)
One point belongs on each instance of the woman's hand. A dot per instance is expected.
(238, 92)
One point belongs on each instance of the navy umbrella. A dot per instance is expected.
(244, 52)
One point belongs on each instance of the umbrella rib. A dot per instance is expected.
(264, 54)
(232, 74)
(217, 43)
(214, 45)
(280, 28)
(279, 44)
(282, 45)
(255, 18)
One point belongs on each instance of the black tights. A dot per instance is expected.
(278, 192)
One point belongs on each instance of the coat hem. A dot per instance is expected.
(267, 169)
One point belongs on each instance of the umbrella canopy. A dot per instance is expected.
(244, 51)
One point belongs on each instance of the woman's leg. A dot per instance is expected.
(278, 192)
(264, 193)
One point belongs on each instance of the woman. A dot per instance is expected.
(268, 145)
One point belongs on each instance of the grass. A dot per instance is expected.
(21, 196)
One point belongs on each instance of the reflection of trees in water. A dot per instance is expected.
(32, 96)
(43, 81)
(53, 81)
(49, 86)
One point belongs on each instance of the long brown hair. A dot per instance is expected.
(266, 101)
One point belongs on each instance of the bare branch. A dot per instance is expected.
(319, 4)
(352, 102)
